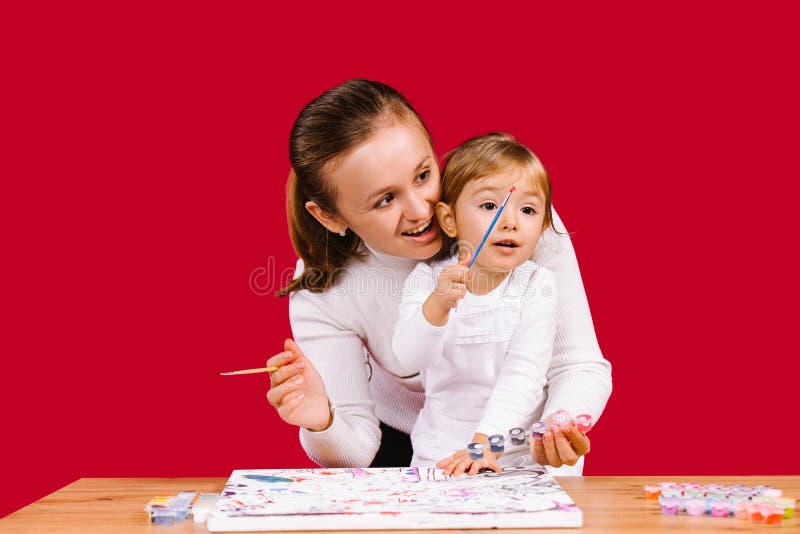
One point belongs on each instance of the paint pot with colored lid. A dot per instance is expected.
(695, 506)
(584, 422)
(497, 443)
(538, 428)
(670, 506)
(561, 418)
(475, 451)
(517, 436)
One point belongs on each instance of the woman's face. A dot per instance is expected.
(386, 190)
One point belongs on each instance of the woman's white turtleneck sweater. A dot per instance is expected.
(347, 333)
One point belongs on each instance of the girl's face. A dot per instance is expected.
(386, 191)
(517, 231)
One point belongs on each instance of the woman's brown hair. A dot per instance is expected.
(327, 129)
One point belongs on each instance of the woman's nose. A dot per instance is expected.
(416, 207)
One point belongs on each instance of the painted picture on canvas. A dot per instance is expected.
(390, 498)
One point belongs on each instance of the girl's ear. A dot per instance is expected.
(447, 219)
(331, 222)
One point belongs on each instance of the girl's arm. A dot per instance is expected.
(416, 343)
(520, 384)
(353, 437)
(579, 378)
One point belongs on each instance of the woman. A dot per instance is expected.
(361, 197)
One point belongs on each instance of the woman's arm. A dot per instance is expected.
(579, 378)
(353, 437)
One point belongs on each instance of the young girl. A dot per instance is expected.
(482, 338)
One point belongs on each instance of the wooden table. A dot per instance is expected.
(609, 504)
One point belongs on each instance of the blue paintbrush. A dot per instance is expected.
(489, 231)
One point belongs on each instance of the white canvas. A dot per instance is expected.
(390, 498)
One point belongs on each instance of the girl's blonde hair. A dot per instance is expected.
(490, 154)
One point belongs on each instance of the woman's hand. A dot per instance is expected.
(297, 391)
(460, 462)
(560, 446)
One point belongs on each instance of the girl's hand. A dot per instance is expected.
(297, 391)
(450, 288)
(560, 446)
(460, 462)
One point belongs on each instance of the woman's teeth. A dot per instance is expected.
(418, 230)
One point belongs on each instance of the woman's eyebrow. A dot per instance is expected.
(374, 196)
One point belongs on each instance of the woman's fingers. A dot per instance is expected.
(537, 451)
(579, 441)
(563, 446)
(286, 372)
(550, 451)
(276, 394)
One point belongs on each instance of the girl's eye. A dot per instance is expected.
(385, 201)
(424, 175)
(489, 206)
(527, 210)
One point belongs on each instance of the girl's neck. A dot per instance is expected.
(485, 280)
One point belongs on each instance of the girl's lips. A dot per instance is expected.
(425, 237)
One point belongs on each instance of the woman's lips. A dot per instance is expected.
(425, 237)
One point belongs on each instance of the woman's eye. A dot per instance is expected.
(489, 206)
(424, 175)
(385, 201)
(527, 210)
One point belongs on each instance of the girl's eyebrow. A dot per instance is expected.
(376, 195)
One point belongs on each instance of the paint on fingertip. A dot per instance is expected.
(475, 451)
(538, 428)
(497, 443)
(517, 436)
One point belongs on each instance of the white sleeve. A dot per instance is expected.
(520, 384)
(416, 343)
(338, 354)
(579, 378)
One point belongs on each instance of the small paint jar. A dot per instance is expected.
(720, 508)
(787, 504)
(584, 422)
(475, 451)
(695, 506)
(561, 418)
(652, 491)
(670, 506)
(497, 443)
(740, 510)
(755, 512)
(773, 515)
(670, 492)
(693, 493)
(517, 436)
(538, 428)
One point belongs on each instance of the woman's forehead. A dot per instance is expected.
(392, 156)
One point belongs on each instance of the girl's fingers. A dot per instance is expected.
(564, 447)
(442, 464)
(552, 457)
(579, 441)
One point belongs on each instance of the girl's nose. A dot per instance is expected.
(508, 221)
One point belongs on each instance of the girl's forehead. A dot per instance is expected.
(502, 181)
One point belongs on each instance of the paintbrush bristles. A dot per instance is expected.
(251, 371)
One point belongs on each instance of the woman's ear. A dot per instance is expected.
(446, 218)
(331, 222)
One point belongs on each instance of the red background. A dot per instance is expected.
(145, 156)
